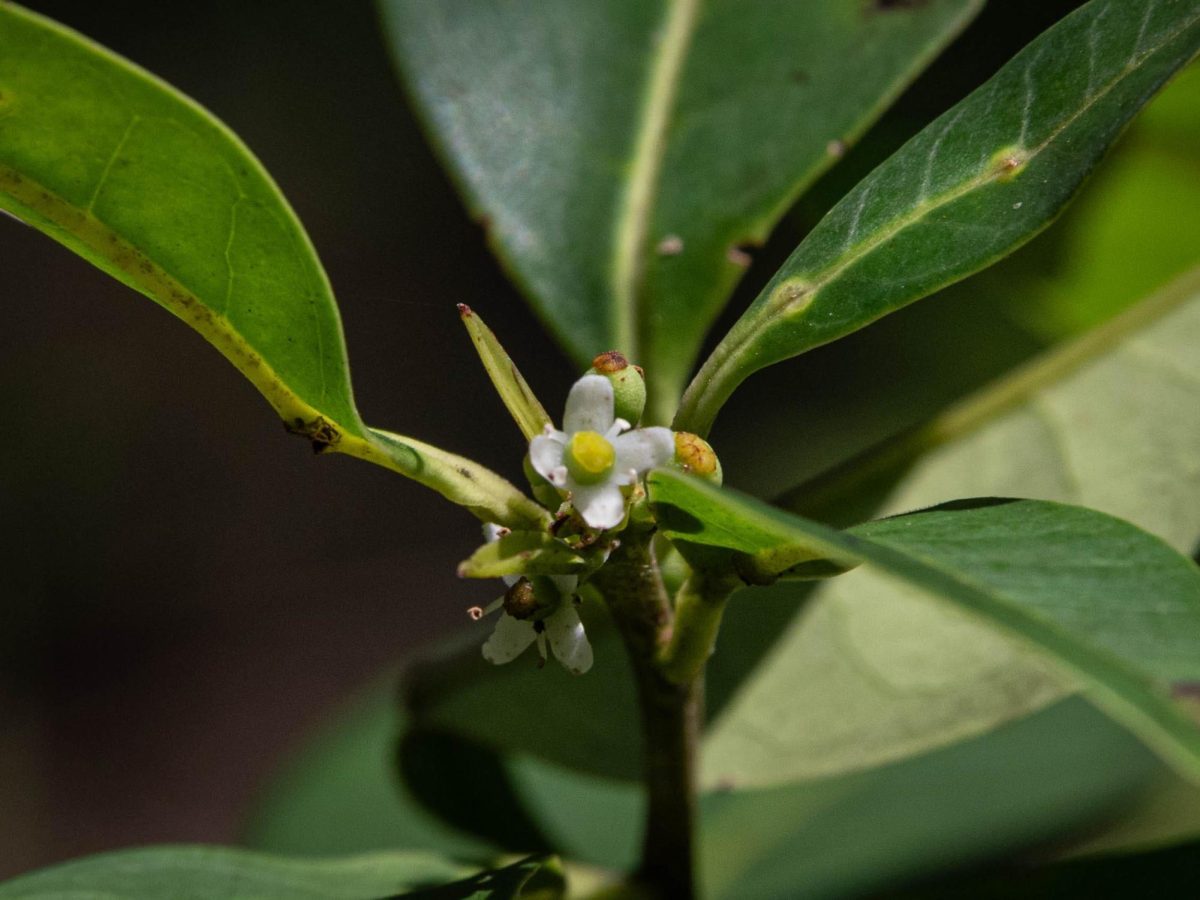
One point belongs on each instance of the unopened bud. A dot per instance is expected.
(695, 455)
(629, 384)
(520, 601)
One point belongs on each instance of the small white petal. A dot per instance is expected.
(568, 641)
(589, 405)
(546, 454)
(601, 505)
(509, 640)
(558, 477)
(643, 449)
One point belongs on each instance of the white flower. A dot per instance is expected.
(597, 454)
(512, 635)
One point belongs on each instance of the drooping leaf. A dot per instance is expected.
(220, 873)
(1115, 606)
(623, 154)
(143, 183)
(874, 671)
(972, 186)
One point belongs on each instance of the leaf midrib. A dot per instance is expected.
(996, 171)
(650, 145)
(796, 294)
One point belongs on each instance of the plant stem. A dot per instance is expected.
(671, 718)
(699, 605)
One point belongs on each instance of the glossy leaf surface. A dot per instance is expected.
(972, 186)
(622, 154)
(150, 188)
(219, 873)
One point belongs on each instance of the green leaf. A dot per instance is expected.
(623, 154)
(972, 186)
(854, 834)
(150, 188)
(1114, 605)
(523, 553)
(874, 671)
(219, 873)
(518, 397)
(1022, 783)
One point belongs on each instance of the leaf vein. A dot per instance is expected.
(633, 222)
(108, 165)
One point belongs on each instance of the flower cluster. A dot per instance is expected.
(592, 460)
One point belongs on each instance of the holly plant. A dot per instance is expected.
(682, 688)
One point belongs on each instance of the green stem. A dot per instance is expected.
(671, 718)
(699, 606)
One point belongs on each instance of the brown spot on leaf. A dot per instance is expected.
(323, 433)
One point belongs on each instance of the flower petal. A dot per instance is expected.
(546, 454)
(568, 641)
(643, 449)
(589, 405)
(601, 505)
(509, 640)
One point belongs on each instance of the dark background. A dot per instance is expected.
(185, 589)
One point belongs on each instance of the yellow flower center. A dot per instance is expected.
(589, 457)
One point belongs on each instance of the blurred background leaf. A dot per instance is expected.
(625, 156)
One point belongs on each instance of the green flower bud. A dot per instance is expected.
(695, 455)
(629, 384)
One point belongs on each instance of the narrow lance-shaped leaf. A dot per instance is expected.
(972, 186)
(1114, 605)
(624, 154)
(529, 414)
(146, 185)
